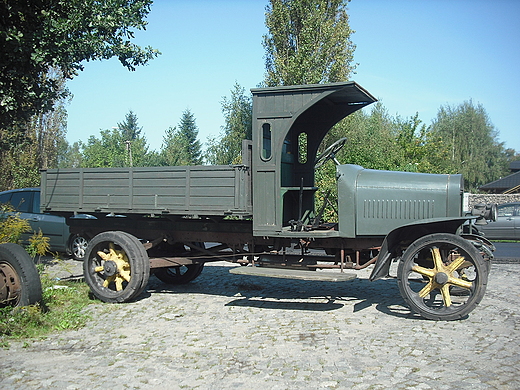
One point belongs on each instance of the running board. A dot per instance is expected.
(293, 274)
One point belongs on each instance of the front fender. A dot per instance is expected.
(398, 239)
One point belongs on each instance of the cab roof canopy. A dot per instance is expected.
(312, 108)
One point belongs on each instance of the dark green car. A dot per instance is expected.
(26, 202)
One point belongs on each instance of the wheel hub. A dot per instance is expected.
(116, 267)
(10, 285)
(441, 278)
(109, 268)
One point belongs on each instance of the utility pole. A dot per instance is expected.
(129, 150)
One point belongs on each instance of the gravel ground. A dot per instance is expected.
(226, 331)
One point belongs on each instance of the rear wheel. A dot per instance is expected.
(442, 277)
(116, 267)
(182, 274)
(179, 275)
(20, 283)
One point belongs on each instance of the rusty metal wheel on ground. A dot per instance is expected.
(442, 276)
(116, 267)
(20, 283)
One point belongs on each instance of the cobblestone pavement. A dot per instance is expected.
(227, 331)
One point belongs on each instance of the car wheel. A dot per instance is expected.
(77, 247)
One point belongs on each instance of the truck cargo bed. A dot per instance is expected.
(189, 190)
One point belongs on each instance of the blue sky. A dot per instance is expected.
(413, 55)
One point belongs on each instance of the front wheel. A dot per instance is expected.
(20, 283)
(116, 267)
(442, 277)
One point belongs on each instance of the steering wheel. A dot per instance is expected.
(330, 153)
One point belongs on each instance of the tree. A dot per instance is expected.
(470, 142)
(308, 42)
(135, 144)
(130, 129)
(37, 35)
(123, 146)
(107, 151)
(237, 112)
(35, 145)
(422, 151)
(180, 145)
(371, 139)
(51, 128)
(71, 156)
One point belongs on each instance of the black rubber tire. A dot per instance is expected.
(137, 260)
(78, 246)
(182, 274)
(462, 300)
(179, 275)
(20, 283)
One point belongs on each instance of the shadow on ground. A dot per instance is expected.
(288, 294)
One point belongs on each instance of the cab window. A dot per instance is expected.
(266, 141)
(302, 148)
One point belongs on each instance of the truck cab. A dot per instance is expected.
(289, 124)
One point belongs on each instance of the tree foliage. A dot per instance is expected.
(36, 145)
(71, 156)
(237, 111)
(130, 130)
(36, 35)
(122, 146)
(460, 140)
(308, 42)
(470, 141)
(180, 145)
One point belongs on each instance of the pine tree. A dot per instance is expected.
(180, 145)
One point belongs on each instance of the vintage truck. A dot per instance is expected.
(261, 214)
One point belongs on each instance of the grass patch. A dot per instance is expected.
(61, 309)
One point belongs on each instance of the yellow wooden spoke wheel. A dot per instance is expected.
(442, 276)
(116, 267)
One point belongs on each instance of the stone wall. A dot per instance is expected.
(492, 198)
